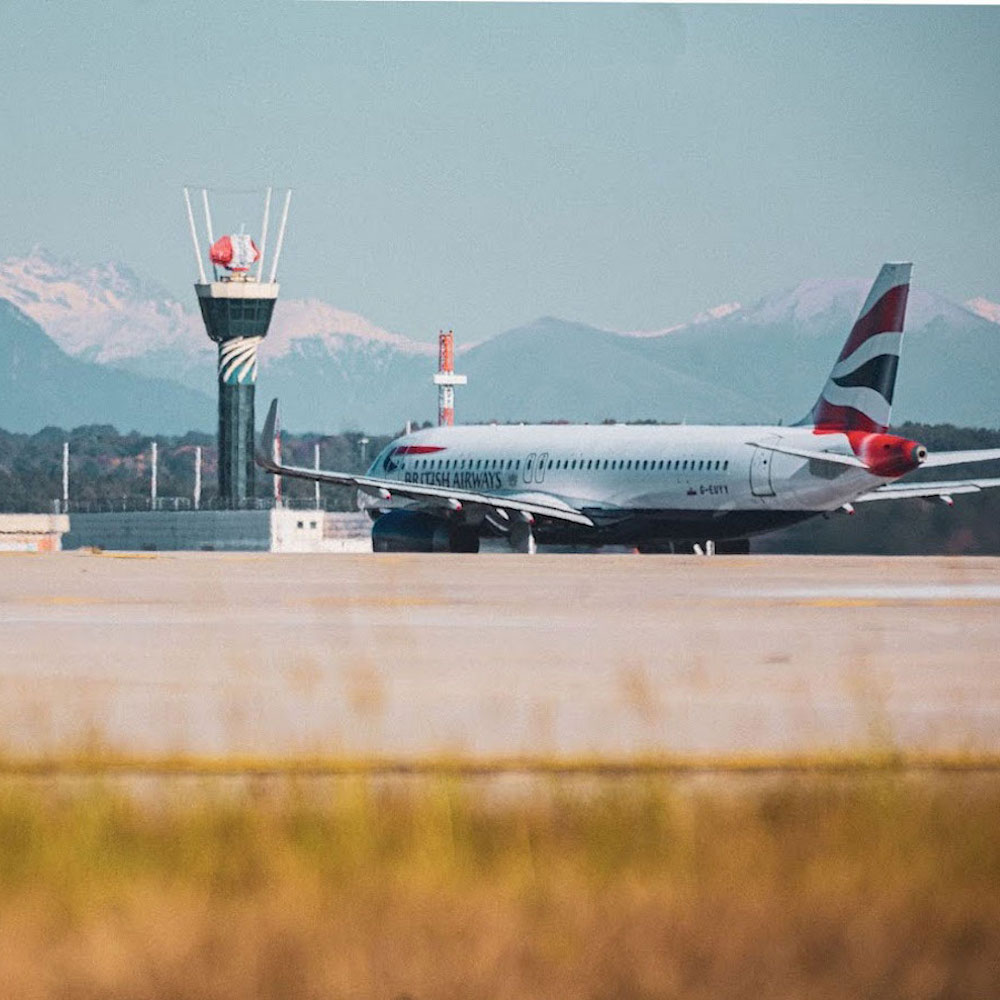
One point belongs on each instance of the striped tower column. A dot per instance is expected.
(237, 315)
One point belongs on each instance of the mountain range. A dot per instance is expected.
(99, 344)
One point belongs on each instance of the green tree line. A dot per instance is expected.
(107, 467)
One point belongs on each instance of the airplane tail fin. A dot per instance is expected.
(858, 394)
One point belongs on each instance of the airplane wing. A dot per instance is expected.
(944, 490)
(436, 496)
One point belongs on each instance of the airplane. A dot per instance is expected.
(657, 488)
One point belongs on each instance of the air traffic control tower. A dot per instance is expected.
(236, 306)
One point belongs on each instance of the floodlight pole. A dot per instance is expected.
(65, 477)
(152, 481)
(316, 465)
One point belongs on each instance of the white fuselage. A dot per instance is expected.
(667, 480)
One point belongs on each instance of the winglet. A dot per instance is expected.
(264, 452)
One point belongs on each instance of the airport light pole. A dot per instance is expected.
(316, 465)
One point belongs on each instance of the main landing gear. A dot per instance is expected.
(710, 547)
(521, 536)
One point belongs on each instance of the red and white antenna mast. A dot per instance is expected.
(446, 379)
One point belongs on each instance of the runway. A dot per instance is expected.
(243, 654)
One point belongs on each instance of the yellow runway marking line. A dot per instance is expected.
(127, 555)
(898, 602)
(376, 601)
(61, 599)
(611, 767)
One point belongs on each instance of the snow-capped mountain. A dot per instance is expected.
(107, 313)
(103, 313)
(334, 369)
(779, 349)
(716, 312)
(41, 385)
(985, 308)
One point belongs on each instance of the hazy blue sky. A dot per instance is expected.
(480, 165)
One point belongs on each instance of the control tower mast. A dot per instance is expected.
(236, 306)
(446, 379)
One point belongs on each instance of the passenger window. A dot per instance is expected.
(725, 465)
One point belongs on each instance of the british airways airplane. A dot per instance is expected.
(657, 488)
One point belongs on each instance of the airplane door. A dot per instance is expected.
(529, 467)
(760, 472)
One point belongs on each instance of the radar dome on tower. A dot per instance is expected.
(235, 253)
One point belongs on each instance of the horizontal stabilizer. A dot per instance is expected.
(834, 458)
(960, 457)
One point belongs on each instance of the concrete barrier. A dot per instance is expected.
(32, 532)
(218, 530)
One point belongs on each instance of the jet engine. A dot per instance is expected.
(415, 531)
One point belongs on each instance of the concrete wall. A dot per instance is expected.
(296, 530)
(166, 531)
(319, 531)
(32, 532)
(206, 530)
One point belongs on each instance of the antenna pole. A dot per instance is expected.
(263, 235)
(281, 236)
(194, 238)
(208, 215)
(197, 477)
(208, 227)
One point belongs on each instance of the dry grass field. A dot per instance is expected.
(883, 883)
(235, 776)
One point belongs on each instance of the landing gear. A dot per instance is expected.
(657, 548)
(710, 547)
(733, 547)
(522, 537)
(463, 538)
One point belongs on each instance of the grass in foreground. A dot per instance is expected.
(440, 887)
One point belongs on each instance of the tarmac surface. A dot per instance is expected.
(232, 653)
